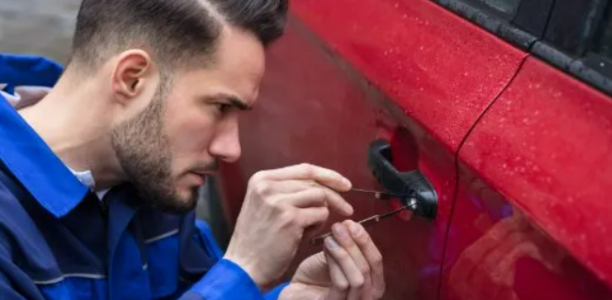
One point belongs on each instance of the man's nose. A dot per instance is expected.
(226, 143)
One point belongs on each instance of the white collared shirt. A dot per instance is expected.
(86, 178)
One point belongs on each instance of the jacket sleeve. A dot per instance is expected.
(24, 80)
(14, 283)
(24, 70)
(11, 281)
(273, 294)
(225, 280)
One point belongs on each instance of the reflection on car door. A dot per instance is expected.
(351, 72)
(531, 218)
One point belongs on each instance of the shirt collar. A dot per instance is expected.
(86, 178)
(35, 165)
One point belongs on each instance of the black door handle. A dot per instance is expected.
(411, 183)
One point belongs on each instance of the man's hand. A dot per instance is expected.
(280, 208)
(350, 268)
(26, 96)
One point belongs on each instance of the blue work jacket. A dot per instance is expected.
(59, 241)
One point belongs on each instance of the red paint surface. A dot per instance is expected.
(532, 216)
(440, 69)
(437, 73)
(496, 252)
(314, 111)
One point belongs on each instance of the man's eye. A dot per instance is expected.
(223, 108)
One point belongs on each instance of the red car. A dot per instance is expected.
(495, 114)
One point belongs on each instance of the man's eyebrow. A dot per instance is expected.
(239, 104)
(232, 100)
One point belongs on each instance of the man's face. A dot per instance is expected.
(169, 148)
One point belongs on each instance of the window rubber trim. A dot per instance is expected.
(530, 43)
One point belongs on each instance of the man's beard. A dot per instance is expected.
(143, 150)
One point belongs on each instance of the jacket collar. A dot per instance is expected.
(35, 165)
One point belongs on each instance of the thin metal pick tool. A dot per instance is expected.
(378, 194)
(369, 221)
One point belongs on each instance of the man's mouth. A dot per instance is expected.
(204, 173)
(201, 177)
(208, 169)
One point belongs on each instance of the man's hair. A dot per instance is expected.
(177, 32)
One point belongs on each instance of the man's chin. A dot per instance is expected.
(180, 203)
(174, 203)
(178, 208)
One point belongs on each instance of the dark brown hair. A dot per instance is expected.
(175, 31)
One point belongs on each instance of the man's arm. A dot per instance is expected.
(225, 280)
(8, 289)
(24, 79)
(14, 283)
(280, 208)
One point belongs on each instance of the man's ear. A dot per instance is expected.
(132, 71)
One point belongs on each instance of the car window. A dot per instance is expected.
(599, 55)
(504, 6)
(532, 16)
(604, 46)
(573, 35)
(572, 24)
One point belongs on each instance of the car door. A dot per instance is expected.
(407, 73)
(532, 216)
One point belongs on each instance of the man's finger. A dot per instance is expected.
(337, 203)
(343, 237)
(347, 265)
(323, 176)
(372, 255)
(318, 196)
(30, 95)
(314, 216)
(340, 285)
(312, 197)
(366, 292)
(293, 186)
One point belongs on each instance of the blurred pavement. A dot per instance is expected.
(40, 27)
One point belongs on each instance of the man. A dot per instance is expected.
(98, 180)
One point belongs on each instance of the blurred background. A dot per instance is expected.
(40, 27)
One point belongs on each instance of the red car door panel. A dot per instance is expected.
(532, 218)
(440, 69)
(350, 72)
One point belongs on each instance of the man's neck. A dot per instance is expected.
(77, 129)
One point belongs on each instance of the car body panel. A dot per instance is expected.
(531, 218)
(419, 77)
(440, 69)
